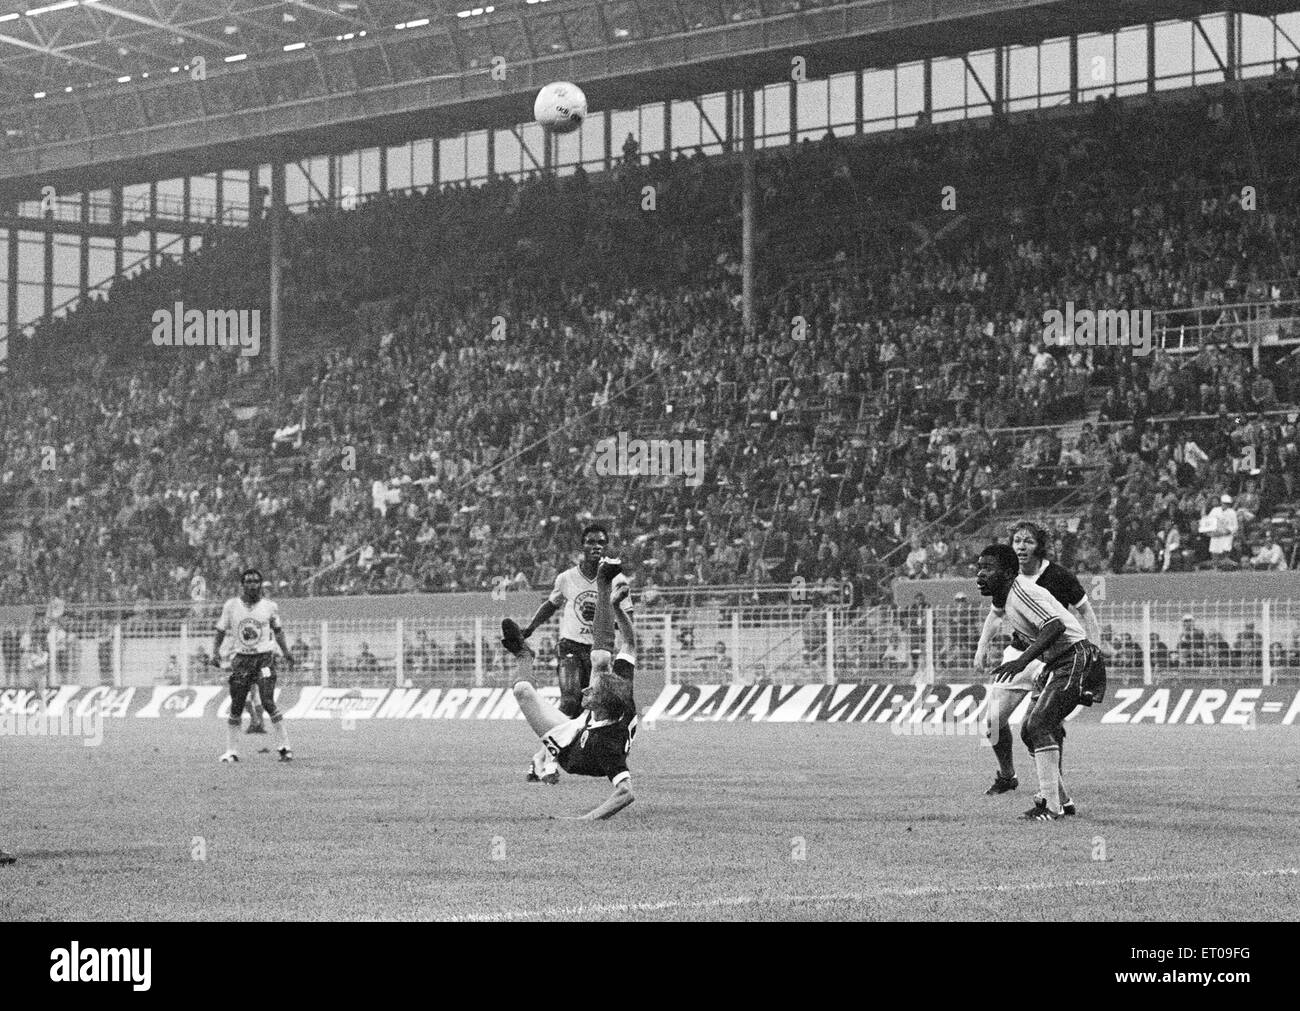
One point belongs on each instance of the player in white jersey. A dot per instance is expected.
(254, 621)
(1073, 670)
(574, 597)
(1029, 541)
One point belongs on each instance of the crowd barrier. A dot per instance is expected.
(1150, 643)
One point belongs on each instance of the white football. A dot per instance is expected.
(560, 107)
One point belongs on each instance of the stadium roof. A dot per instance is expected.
(49, 45)
(103, 87)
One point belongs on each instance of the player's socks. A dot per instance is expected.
(602, 626)
(232, 737)
(999, 733)
(1002, 751)
(1049, 777)
(281, 734)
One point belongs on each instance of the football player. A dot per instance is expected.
(255, 622)
(574, 596)
(1029, 541)
(1073, 671)
(596, 742)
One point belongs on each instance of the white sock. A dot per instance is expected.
(281, 734)
(544, 762)
(232, 731)
(1049, 778)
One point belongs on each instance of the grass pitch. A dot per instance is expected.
(432, 820)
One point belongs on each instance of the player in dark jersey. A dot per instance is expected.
(597, 741)
(1029, 541)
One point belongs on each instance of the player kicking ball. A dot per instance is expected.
(1073, 671)
(574, 598)
(596, 742)
(255, 622)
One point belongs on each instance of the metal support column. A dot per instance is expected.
(277, 223)
(47, 274)
(607, 118)
(1074, 70)
(83, 277)
(153, 215)
(747, 209)
(119, 248)
(1151, 59)
(11, 283)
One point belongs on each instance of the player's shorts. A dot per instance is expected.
(246, 670)
(1024, 681)
(1083, 670)
(578, 654)
(253, 665)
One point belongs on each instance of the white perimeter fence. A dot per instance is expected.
(1253, 641)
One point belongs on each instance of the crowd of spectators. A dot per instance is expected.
(455, 356)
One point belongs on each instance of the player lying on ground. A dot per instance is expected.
(574, 597)
(1029, 541)
(597, 741)
(255, 621)
(1073, 670)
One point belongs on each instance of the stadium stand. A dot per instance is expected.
(894, 406)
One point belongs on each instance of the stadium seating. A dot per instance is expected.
(894, 405)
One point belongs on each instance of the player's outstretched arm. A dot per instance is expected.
(619, 799)
(543, 615)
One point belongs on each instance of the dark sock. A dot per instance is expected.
(1002, 749)
(602, 627)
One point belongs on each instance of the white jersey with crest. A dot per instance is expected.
(1029, 607)
(250, 627)
(575, 595)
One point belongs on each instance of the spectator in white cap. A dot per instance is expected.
(1221, 524)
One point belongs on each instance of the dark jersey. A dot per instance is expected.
(601, 748)
(1061, 584)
